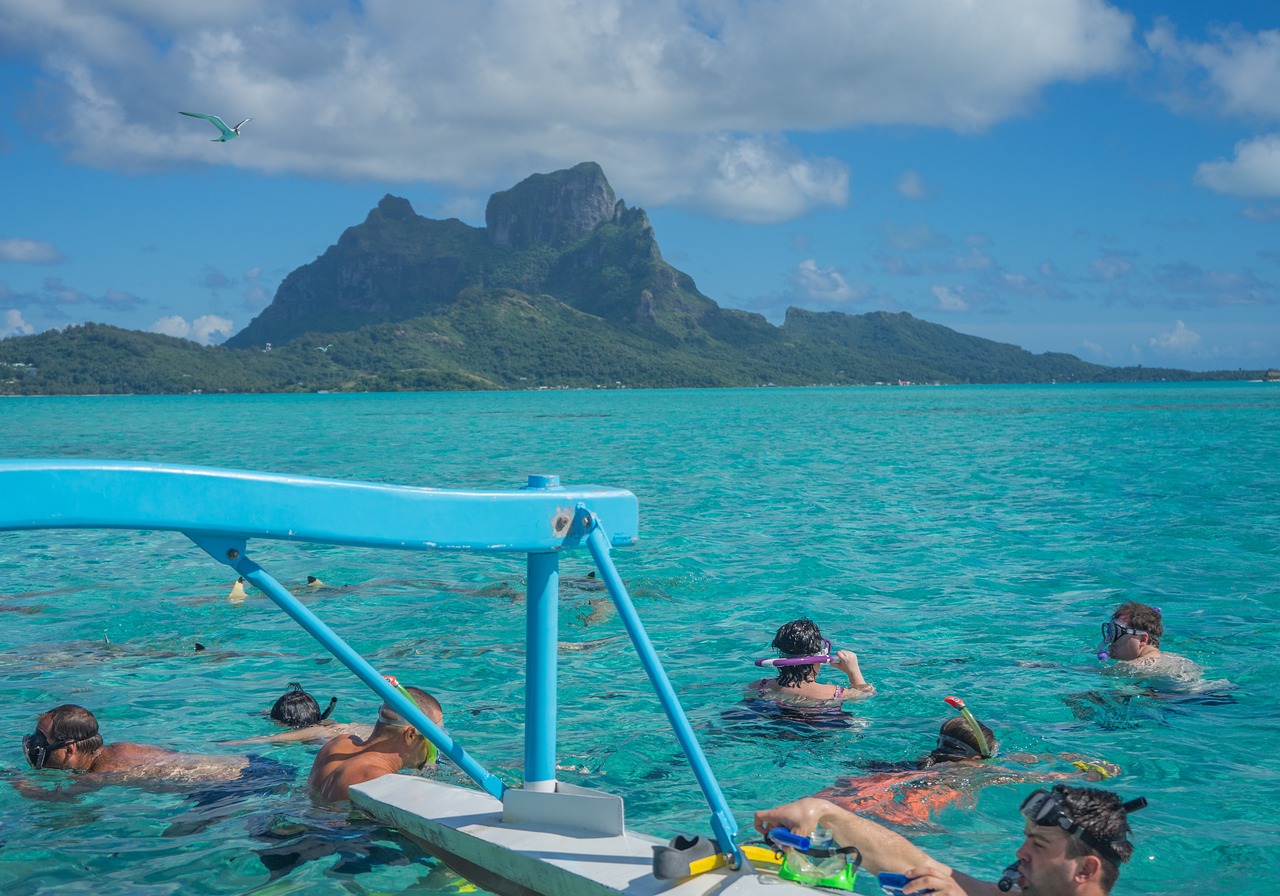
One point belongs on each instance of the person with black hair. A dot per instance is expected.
(300, 712)
(908, 793)
(802, 651)
(1075, 840)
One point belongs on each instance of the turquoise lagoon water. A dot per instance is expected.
(962, 540)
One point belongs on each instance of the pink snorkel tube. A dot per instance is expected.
(799, 660)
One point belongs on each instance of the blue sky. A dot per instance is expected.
(1095, 178)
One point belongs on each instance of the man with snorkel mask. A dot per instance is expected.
(1075, 840)
(1132, 639)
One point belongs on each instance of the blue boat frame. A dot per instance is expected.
(220, 510)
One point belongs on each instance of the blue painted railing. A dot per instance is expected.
(221, 510)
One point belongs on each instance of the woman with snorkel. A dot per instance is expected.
(802, 652)
(908, 794)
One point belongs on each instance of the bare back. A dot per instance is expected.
(347, 760)
(143, 761)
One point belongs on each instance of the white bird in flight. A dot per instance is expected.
(227, 133)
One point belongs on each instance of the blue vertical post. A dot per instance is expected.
(542, 641)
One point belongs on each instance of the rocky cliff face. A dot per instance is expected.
(553, 210)
(563, 234)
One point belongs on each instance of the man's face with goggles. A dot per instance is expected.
(38, 749)
(1119, 641)
(1045, 808)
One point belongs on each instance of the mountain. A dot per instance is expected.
(564, 286)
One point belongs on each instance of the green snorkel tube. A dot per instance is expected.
(433, 754)
(984, 748)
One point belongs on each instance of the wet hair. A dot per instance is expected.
(298, 709)
(1102, 814)
(1142, 617)
(957, 727)
(389, 719)
(75, 723)
(799, 637)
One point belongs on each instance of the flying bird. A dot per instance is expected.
(324, 348)
(227, 133)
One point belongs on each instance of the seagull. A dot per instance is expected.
(227, 133)
(324, 348)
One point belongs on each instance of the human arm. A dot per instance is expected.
(847, 662)
(881, 848)
(312, 734)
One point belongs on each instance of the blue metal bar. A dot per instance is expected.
(232, 553)
(101, 494)
(723, 825)
(541, 646)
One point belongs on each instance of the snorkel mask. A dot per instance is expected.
(816, 861)
(951, 745)
(37, 748)
(1048, 808)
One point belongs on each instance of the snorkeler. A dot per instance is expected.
(67, 737)
(301, 713)
(393, 745)
(802, 652)
(1132, 639)
(908, 794)
(1075, 840)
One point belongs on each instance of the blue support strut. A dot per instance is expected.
(232, 553)
(723, 825)
(541, 646)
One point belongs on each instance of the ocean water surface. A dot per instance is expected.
(962, 540)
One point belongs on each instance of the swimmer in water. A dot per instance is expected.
(67, 737)
(300, 712)
(797, 681)
(393, 745)
(1132, 639)
(908, 794)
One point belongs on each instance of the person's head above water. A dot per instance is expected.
(56, 731)
(956, 741)
(298, 709)
(1134, 631)
(1095, 822)
(799, 637)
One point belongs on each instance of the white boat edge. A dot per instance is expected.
(546, 849)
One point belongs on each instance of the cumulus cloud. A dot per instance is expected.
(1255, 170)
(950, 298)
(1111, 267)
(681, 102)
(1191, 285)
(912, 186)
(825, 287)
(22, 250)
(205, 330)
(14, 325)
(1177, 341)
(1234, 73)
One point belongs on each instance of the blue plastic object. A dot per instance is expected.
(783, 837)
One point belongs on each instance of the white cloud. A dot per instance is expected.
(29, 251)
(1255, 170)
(680, 102)
(201, 330)
(825, 287)
(912, 186)
(1234, 74)
(950, 299)
(14, 325)
(1111, 267)
(1177, 341)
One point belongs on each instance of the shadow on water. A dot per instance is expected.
(1120, 710)
(754, 716)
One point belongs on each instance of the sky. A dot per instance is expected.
(1080, 176)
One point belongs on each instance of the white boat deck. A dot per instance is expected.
(466, 829)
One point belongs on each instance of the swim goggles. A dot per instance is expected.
(37, 747)
(814, 864)
(1047, 808)
(1111, 632)
(1114, 631)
